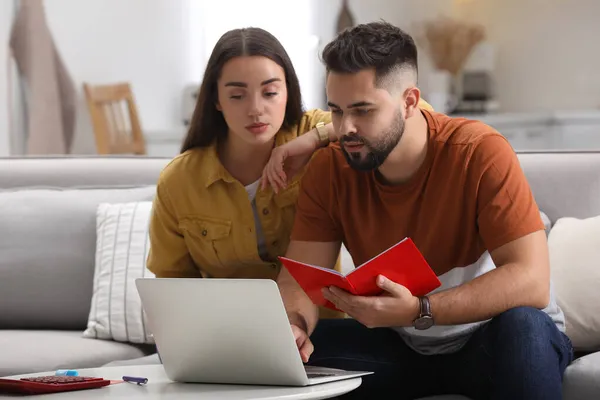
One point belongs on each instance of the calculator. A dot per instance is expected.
(50, 384)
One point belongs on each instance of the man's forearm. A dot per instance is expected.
(490, 294)
(300, 309)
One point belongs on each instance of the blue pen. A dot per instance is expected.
(135, 379)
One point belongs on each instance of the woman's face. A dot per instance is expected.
(252, 96)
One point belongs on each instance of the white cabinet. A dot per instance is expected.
(558, 131)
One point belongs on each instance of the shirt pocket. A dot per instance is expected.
(210, 242)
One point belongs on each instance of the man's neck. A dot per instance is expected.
(243, 161)
(408, 156)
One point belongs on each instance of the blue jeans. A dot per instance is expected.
(519, 354)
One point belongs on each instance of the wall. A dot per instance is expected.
(547, 57)
(6, 13)
(145, 42)
(404, 13)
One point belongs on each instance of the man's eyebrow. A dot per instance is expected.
(244, 85)
(353, 105)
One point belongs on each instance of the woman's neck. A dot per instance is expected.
(243, 161)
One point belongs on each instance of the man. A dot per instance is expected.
(493, 330)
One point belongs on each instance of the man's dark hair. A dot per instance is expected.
(379, 45)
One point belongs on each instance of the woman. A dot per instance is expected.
(210, 217)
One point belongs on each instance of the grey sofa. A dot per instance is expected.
(47, 246)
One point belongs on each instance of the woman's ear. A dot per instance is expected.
(218, 106)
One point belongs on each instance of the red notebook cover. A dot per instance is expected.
(402, 263)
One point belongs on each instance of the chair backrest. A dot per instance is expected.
(115, 119)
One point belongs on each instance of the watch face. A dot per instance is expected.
(423, 323)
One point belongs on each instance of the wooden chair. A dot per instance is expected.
(115, 119)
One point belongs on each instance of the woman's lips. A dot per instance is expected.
(257, 128)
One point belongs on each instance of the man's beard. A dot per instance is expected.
(377, 151)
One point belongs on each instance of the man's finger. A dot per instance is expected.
(390, 287)
(306, 350)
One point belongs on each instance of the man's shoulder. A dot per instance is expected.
(460, 131)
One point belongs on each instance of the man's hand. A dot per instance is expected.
(395, 307)
(303, 342)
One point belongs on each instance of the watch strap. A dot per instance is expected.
(322, 133)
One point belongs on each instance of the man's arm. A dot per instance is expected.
(511, 228)
(521, 278)
(300, 309)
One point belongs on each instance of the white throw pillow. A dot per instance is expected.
(574, 246)
(122, 246)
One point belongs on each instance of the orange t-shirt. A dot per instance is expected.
(469, 197)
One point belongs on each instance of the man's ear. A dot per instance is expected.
(412, 97)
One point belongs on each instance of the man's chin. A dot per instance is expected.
(359, 161)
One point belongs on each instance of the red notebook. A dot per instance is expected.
(402, 263)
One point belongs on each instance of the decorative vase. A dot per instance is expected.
(345, 18)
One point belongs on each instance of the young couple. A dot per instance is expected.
(259, 177)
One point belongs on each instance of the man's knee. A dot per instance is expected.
(527, 332)
(526, 321)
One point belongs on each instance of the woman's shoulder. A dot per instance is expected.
(310, 119)
(184, 166)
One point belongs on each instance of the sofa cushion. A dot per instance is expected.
(26, 352)
(122, 246)
(574, 247)
(47, 250)
(581, 378)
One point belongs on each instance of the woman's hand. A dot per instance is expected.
(288, 159)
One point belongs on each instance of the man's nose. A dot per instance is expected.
(347, 127)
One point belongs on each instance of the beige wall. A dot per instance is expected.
(548, 55)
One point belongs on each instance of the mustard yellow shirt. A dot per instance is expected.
(202, 224)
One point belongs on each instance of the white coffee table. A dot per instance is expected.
(160, 387)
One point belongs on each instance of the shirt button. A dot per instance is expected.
(204, 232)
(265, 211)
(273, 265)
(275, 243)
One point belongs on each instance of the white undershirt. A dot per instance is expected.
(251, 189)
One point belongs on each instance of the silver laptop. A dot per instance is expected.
(232, 331)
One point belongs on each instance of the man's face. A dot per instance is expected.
(367, 119)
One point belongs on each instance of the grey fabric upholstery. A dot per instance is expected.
(97, 171)
(27, 351)
(582, 378)
(47, 247)
(564, 184)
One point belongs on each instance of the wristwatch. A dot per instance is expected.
(322, 133)
(425, 319)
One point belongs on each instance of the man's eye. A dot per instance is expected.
(336, 111)
(362, 111)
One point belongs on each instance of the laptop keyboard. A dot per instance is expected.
(318, 374)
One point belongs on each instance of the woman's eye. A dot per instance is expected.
(235, 96)
(271, 94)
